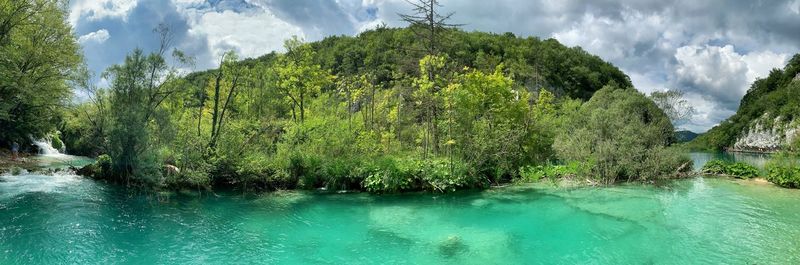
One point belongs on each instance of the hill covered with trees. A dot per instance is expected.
(768, 117)
(374, 112)
(426, 107)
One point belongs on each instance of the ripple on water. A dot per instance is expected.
(14, 185)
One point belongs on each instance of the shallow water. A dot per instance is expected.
(754, 159)
(65, 219)
(61, 218)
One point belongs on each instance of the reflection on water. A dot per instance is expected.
(755, 159)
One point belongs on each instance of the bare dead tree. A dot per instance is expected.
(428, 24)
(431, 27)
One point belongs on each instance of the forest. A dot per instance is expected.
(426, 107)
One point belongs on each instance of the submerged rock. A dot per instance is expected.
(452, 246)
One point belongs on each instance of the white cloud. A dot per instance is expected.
(99, 9)
(759, 64)
(644, 83)
(99, 36)
(708, 113)
(250, 35)
(720, 71)
(718, 77)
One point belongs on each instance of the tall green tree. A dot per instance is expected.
(299, 77)
(228, 79)
(138, 88)
(39, 58)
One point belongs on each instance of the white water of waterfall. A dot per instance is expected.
(45, 148)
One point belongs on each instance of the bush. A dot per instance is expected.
(103, 165)
(388, 175)
(784, 171)
(623, 135)
(738, 169)
(535, 173)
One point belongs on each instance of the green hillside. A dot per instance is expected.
(393, 54)
(375, 112)
(775, 97)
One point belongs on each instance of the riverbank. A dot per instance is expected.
(7, 162)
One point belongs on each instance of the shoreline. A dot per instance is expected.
(7, 165)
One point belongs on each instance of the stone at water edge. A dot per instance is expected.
(89, 170)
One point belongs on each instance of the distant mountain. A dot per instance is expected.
(685, 136)
(768, 118)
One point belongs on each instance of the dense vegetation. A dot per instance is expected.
(778, 95)
(621, 134)
(361, 113)
(428, 107)
(725, 168)
(784, 170)
(39, 60)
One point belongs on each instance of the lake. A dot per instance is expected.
(65, 219)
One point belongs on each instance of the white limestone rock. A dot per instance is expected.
(759, 138)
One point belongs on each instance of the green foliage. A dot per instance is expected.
(404, 174)
(784, 170)
(39, 59)
(623, 135)
(535, 173)
(489, 123)
(391, 120)
(55, 141)
(738, 169)
(103, 164)
(137, 121)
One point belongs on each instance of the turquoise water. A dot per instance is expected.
(755, 159)
(64, 219)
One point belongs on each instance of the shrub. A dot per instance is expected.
(738, 169)
(622, 134)
(439, 175)
(784, 171)
(103, 164)
(535, 173)
(56, 142)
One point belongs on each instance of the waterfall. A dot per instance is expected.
(45, 148)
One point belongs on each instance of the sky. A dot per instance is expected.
(712, 50)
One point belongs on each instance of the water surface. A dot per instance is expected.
(755, 159)
(64, 219)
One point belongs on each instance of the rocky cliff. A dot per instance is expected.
(761, 137)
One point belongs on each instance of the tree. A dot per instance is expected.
(620, 134)
(299, 77)
(39, 58)
(428, 24)
(674, 105)
(227, 80)
(486, 118)
(138, 88)
(428, 99)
